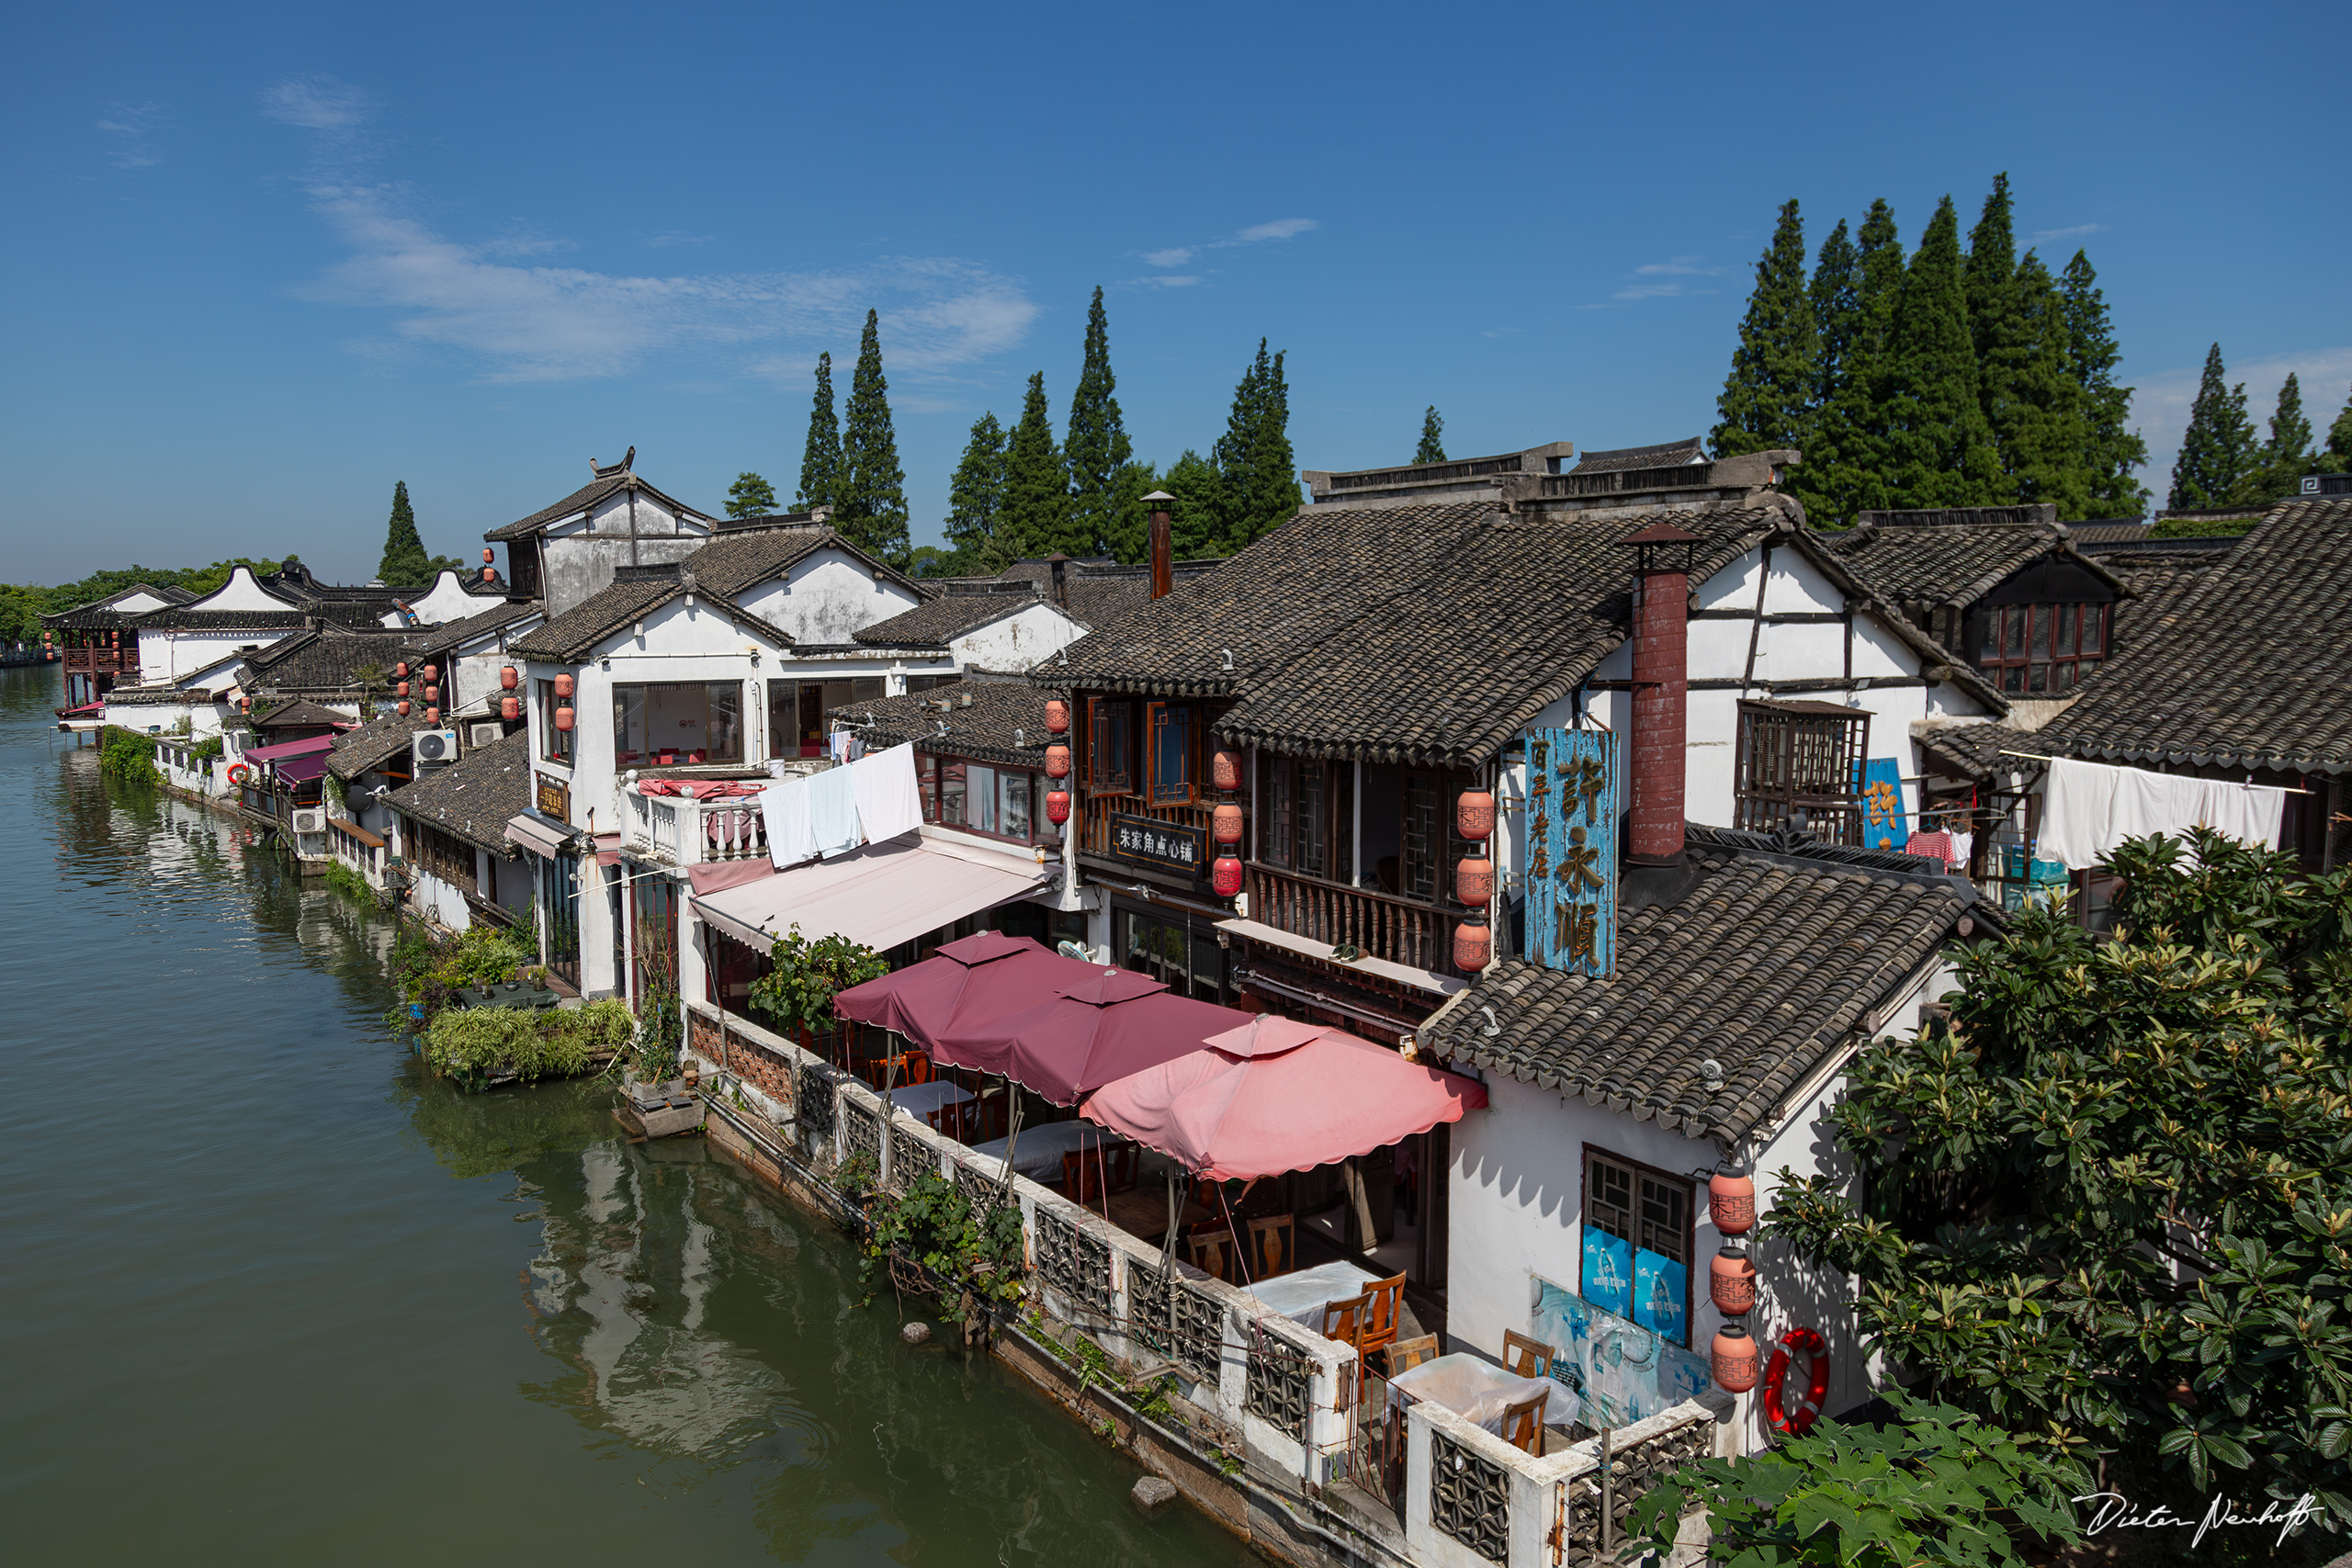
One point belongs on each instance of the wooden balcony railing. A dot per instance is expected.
(1401, 931)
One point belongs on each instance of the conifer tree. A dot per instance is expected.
(1767, 400)
(870, 494)
(1035, 518)
(1835, 295)
(1433, 446)
(1097, 446)
(2287, 456)
(750, 496)
(974, 498)
(405, 564)
(1130, 535)
(821, 459)
(1270, 487)
(1845, 476)
(2218, 448)
(2337, 459)
(1197, 519)
(2041, 427)
(1937, 449)
(2112, 451)
(1998, 330)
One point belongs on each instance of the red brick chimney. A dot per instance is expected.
(1661, 692)
(1163, 544)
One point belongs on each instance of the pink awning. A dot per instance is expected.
(291, 749)
(1278, 1095)
(718, 875)
(971, 984)
(1105, 1027)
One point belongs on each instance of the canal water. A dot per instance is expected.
(271, 1294)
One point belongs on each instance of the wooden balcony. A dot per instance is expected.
(1401, 931)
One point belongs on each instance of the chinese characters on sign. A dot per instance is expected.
(1572, 849)
(1170, 845)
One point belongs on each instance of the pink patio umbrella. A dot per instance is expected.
(1276, 1095)
(1107, 1026)
(971, 982)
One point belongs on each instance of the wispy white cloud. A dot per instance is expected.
(1256, 234)
(1667, 279)
(539, 322)
(2043, 236)
(674, 239)
(1164, 280)
(130, 129)
(2161, 402)
(1680, 266)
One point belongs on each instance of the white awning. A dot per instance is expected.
(879, 896)
(543, 836)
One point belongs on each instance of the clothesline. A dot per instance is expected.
(2039, 756)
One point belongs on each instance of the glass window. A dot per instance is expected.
(678, 723)
(927, 783)
(1110, 751)
(1274, 826)
(798, 709)
(951, 794)
(980, 798)
(1314, 818)
(1638, 1244)
(555, 745)
(1013, 808)
(1172, 754)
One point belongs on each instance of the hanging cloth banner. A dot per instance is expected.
(1572, 788)
(1884, 827)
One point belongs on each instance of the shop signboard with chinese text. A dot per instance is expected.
(1171, 846)
(1572, 806)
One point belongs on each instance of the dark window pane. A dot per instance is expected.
(2093, 628)
(2042, 615)
(2014, 618)
(2065, 630)
(2040, 680)
(2063, 677)
(1314, 821)
(2013, 679)
(1991, 639)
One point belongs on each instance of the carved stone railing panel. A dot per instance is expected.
(1469, 1499)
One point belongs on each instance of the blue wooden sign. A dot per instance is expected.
(1572, 792)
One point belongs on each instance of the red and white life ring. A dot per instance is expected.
(1797, 1420)
(238, 773)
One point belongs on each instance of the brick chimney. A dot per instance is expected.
(1163, 544)
(1060, 565)
(1661, 693)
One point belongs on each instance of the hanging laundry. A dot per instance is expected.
(2088, 808)
(785, 804)
(889, 801)
(832, 811)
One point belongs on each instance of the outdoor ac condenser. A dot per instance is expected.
(481, 735)
(436, 746)
(310, 820)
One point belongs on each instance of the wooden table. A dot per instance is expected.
(1142, 1211)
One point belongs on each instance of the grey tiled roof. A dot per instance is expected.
(326, 659)
(2111, 530)
(474, 797)
(1975, 749)
(586, 496)
(935, 623)
(1920, 567)
(1766, 966)
(298, 715)
(983, 731)
(431, 640)
(373, 744)
(102, 613)
(576, 633)
(738, 559)
(289, 619)
(2248, 667)
(1630, 460)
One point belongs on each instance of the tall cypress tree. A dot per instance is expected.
(1197, 519)
(1272, 484)
(2112, 451)
(2287, 456)
(871, 493)
(1937, 450)
(1234, 455)
(2218, 448)
(1855, 287)
(1433, 446)
(1767, 400)
(2338, 456)
(1098, 445)
(405, 564)
(1035, 518)
(2040, 426)
(820, 458)
(1998, 332)
(975, 497)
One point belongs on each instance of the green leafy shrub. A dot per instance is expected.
(349, 883)
(473, 1043)
(427, 967)
(798, 991)
(129, 756)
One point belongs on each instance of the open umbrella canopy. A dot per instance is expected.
(1111, 1023)
(1276, 1095)
(970, 984)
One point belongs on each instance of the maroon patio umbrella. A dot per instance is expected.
(971, 983)
(1107, 1026)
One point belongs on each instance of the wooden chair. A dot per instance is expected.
(1526, 1357)
(1406, 1354)
(1380, 1321)
(949, 1120)
(1273, 1247)
(1524, 1423)
(1342, 1322)
(914, 1067)
(1208, 1246)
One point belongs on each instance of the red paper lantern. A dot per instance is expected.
(1474, 814)
(403, 709)
(432, 715)
(563, 684)
(490, 574)
(1731, 1200)
(1225, 769)
(400, 669)
(508, 678)
(1057, 806)
(1474, 880)
(1730, 1282)
(1732, 1356)
(1057, 716)
(1473, 943)
(1226, 823)
(563, 718)
(432, 672)
(1058, 762)
(488, 555)
(402, 688)
(432, 693)
(509, 709)
(1226, 876)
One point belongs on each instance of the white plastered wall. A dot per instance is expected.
(826, 596)
(1018, 641)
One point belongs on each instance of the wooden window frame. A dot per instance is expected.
(560, 747)
(1157, 716)
(1110, 728)
(935, 803)
(1639, 1171)
(1825, 743)
(2064, 668)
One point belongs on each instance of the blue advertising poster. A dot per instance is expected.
(1572, 809)
(1659, 1286)
(1618, 1371)
(1884, 824)
(1608, 1271)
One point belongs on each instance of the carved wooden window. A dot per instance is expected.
(1801, 757)
(1175, 763)
(1110, 750)
(2042, 650)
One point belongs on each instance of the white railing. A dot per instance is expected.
(692, 832)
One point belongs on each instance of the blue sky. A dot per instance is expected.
(265, 260)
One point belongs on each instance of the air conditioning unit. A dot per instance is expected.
(310, 820)
(436, 746)
(491, 734)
